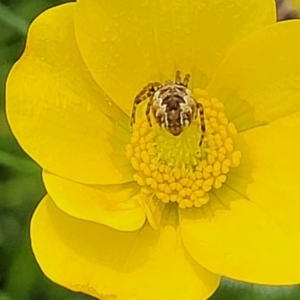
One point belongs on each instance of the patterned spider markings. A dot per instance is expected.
(172, 104)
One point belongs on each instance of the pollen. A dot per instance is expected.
(175, 168)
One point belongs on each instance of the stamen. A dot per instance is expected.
(176, 168)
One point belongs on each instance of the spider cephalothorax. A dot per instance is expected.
(172, 105)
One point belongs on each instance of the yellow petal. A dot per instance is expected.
(129, 44)
(112, 205)
(153, 209)
(109, 264)
(259, 80)
(58, 113)
(250, 230)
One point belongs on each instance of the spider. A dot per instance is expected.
(172, 104)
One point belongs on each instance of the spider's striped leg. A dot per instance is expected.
(147, 92)
(177, 77)
(148, 110)
(202, 122)
(186, 80)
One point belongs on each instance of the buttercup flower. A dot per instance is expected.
(137, 212)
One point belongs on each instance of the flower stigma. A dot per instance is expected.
(175, 168)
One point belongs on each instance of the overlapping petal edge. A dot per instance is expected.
(223, 253)
(112, 264)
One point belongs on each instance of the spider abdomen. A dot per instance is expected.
(172, 107)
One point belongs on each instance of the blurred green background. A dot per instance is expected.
(21, 187)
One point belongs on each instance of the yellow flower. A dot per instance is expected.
(138, 213)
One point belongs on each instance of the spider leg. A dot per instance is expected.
(202, 121)
(148, 111)
(186, 80)
(177, 77)
(147, 92)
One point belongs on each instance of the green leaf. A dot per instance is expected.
(13, 20)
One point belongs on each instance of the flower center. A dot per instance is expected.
(176, 168)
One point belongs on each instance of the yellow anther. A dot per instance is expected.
(145, 157)
(199, 175)
(182, 193)
(178, 186)
(236, 158)
(173, 198)
(229, 147)
(143, 130)
(147, 171)
(216, 173)
(219, 181)
(214, 152)
(222, 178)
(146, 190)
(134, 139)
(218, 136)
(217, 166)
(159, 177)
(222, 150)
(206, 175)
(154, 184)
(149, 180)
(208, 181)
(225, 166)
(194, 187)
(176, 173)
(181, 204)
(199, 182)
(227, 162)
(139, 179)
(217, 184)
(188, 203)
(204, 199)
(160, 195)
(161, 168)
(188, 191)
(214, 113)
(166, 176)
(153, 167)
(171, 179)
(129, 151)
(223, 133)
(173, 186)
(154, 174)
(210, 159)
(232, 130)
(199, 193)
(198, 93)
(208, 168)
(176, 169)
(207, 188)
(135, 163)
(184, 181)
(137, 155)
(210, 142)
(143, 166)
(162, 186)
(219, 106)
(219, 143)
(167, 169)
(168, 190)
(221, 156)
(197, 203)
(165, 199)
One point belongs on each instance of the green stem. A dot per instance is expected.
(13, 20)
